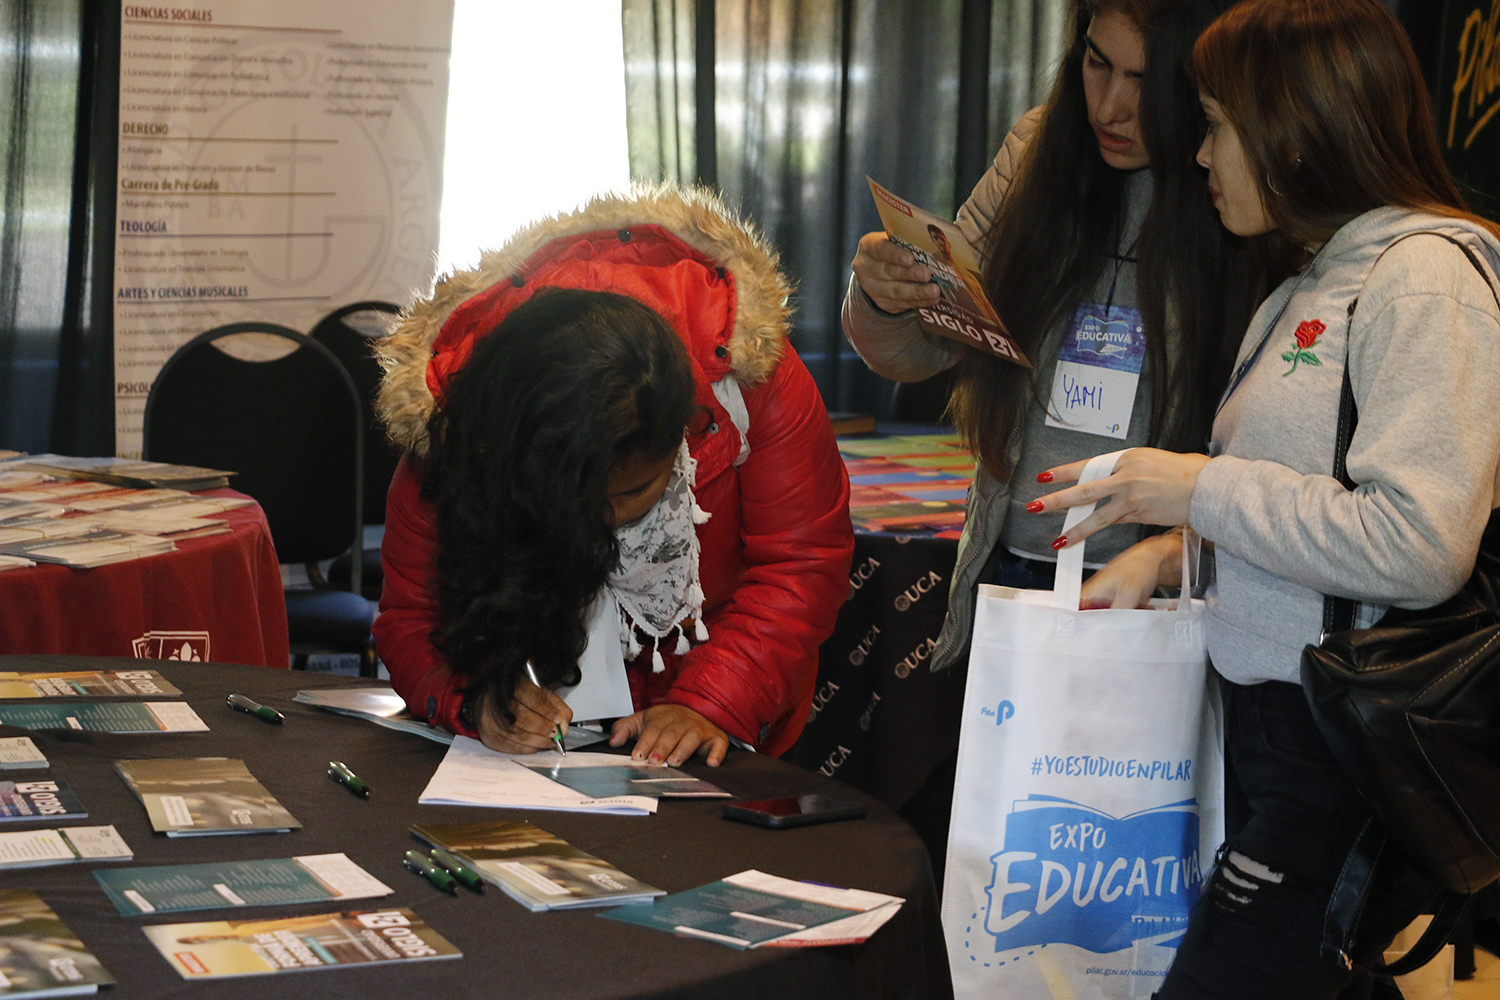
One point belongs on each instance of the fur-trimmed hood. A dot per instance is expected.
(751, 346)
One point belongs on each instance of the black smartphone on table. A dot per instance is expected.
(796, 810)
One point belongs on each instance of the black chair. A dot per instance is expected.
(291, 427)
(349, 332)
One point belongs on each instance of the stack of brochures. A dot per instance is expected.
(47, 799)
(129, 472)
(756, 910)
(204, 796)
(96, 547)
(105, 717)
(537, 869)
(379, 705)
(289, 944)
(313, 878)
(43, 958)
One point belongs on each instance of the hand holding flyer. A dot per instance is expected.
(963, 312)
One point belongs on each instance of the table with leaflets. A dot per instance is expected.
(506, 950)
(215, 597)
(882, 720)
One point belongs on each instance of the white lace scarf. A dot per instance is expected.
(656, 583)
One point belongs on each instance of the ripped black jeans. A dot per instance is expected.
(1290, 819)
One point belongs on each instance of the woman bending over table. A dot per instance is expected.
(608, 408)
(1320, 139)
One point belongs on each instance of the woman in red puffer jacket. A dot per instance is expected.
(774, 548)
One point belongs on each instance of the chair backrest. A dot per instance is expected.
(292, 429)
(351, 343)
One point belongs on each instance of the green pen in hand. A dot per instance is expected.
(422, 866)
(468, 876)
(557, 733)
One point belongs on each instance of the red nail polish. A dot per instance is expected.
(1044, 477)
(1060, 543)
(1035, 506)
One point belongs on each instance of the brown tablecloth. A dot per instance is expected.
(508, 952)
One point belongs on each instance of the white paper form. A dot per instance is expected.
(604, 692)
(473, 775)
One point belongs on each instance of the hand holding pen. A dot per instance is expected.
(557, 731)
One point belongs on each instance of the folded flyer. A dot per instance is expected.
(19, 753)
(43, 958)
(472, 774)
(200, 796)
(756, 910)
(219, 948)
(963, 312)
(385, 707)
(105, 716)
(84, 684)
(32, 848)
(45, 799)
(314, 878)
(537, 869)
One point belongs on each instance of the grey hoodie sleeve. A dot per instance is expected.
(1425, 366)
(891, 343)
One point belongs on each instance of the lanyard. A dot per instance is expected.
(1120, 261)
(1249, 362)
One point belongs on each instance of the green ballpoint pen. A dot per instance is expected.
(339, 771)
(431, 872)
(557, 733)
(468, 876)
(240, 703)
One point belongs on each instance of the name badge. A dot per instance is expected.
(1098, 368)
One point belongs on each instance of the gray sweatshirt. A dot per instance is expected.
(1423, 348)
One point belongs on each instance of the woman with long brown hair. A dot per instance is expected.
(1093, 218)
(1321, 140)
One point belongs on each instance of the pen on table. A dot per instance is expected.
(339, 771)
(240, 703)
(458, 869)
(431, 872)
(557, 733)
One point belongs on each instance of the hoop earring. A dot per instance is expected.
(1272, 186)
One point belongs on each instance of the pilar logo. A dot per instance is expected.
(161, 645)
(1071, 874)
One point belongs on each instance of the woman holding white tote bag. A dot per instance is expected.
(1320, 135)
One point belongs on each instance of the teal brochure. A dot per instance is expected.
(105, 717)
(174, 888)
(608, 780)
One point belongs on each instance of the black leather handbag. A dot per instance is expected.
(1410, 709)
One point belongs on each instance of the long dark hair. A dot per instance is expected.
(1328, 101)
(1060, 221)
(569, 384)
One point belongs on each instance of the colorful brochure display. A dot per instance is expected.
(106, 716)
(220, 948)
(203, 796)
(43, 958)
(316, 878)
(755, 910)
(33, 848)
(535, 868)
(45, 799)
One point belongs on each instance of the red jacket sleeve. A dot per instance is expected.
(409, 607)
(755, 675)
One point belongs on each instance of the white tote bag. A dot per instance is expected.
(1088, 802)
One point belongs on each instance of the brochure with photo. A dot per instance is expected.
(605, 775)
(17, 684)
(42, 957)
(963, 313)
(203, 796)
(44, 799)
(220, 948)
(537, 869)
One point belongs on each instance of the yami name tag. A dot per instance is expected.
(1098, 368)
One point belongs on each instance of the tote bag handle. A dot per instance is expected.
(1067, 587)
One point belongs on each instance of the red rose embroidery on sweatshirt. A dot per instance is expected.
(1308, 332)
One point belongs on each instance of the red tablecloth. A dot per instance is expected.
(215, 598)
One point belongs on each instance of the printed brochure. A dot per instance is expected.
(31, 848)
(202, 796)
(963, 312)
(45, 799)
(756, 910)
(315, 878)
(18, 753)
(605, 775)
(16, 684)
(43, 958)
(537, 869)
(220, 948)
(106, 716)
